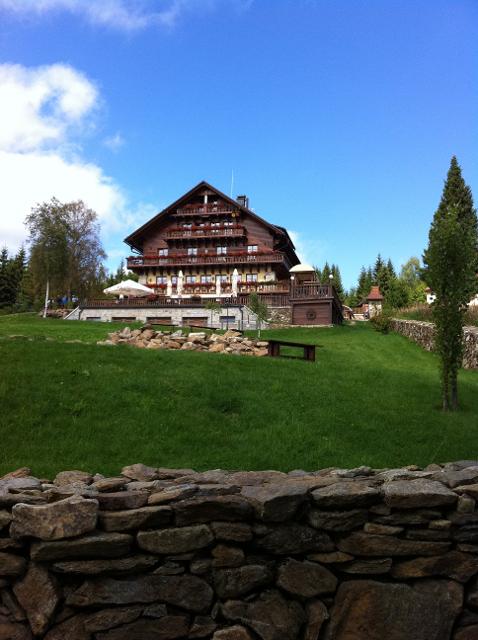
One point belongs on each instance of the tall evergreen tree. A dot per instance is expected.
(337, 281)
(377, 269)
(391, 269)
(4, 278)
(451, 261)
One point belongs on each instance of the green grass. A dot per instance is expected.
(369, 399)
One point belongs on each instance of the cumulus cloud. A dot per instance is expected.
(128, 15)
(38, 106)
(42, 109)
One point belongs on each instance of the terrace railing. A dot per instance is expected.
(166, 261)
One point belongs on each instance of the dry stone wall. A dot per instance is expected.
(423, 333)
(164, 554)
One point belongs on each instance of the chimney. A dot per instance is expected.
(243, 201)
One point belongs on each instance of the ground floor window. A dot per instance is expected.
(251, 277)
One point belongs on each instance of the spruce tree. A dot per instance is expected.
(337, 282)
(451, 261)
(4, 284)
(377, 269)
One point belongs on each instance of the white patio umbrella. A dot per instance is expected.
(218, 285)
(128, 288)
(235, 280)
(169, 287)
(179, 286)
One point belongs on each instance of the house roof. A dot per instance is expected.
(133, 240)
(302, 268)
(375, 294)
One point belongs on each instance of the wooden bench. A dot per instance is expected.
(275, 347)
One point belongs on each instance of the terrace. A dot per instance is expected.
(182, 258)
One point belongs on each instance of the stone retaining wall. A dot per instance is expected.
(423, 333)
(162, 554)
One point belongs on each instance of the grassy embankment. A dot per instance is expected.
(369, 399)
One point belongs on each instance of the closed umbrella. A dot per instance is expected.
(180, 283)
(169, 287)
(128, 288)
(218, 285)
(235, 280)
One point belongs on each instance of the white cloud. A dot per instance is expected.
(43, 107)
(114, 143)
(128, 15)
(38, 106)
(309, 249)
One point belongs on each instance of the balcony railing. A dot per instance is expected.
(202, 209)
(206, 232)
(184, 260)
(226, 288)
(311, 290)
(272, 300)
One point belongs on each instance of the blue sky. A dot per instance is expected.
(338, 117)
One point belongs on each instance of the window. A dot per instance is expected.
(162, 252)
(228, 223)
(161, 280)
(190, 279)
(207, 279)
(221, 251)
(223, 277)
(215, 224)
(174, 279)
(251, 277)
(192, 251)
(251, 248)
(187, 225)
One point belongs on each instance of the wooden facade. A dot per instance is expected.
(206, 235)
(315, 304)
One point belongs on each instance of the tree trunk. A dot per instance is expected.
(454, 392)
(446, 389)
(47, 295)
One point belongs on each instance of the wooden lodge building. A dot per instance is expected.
(206, 235)
(207, 246)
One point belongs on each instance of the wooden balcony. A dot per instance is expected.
(202, 288)
(311, 290)
(272, 300)
(204, 209)
(206, 232)
(200, 259)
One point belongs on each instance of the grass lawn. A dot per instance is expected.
(369, 399)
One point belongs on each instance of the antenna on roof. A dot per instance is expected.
(232, 182)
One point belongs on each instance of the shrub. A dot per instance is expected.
(382, 321)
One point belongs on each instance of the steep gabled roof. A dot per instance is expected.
(133, 239)
(375, 294)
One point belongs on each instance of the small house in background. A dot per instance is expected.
(374, 301)
(372, 304)
(431, 297)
